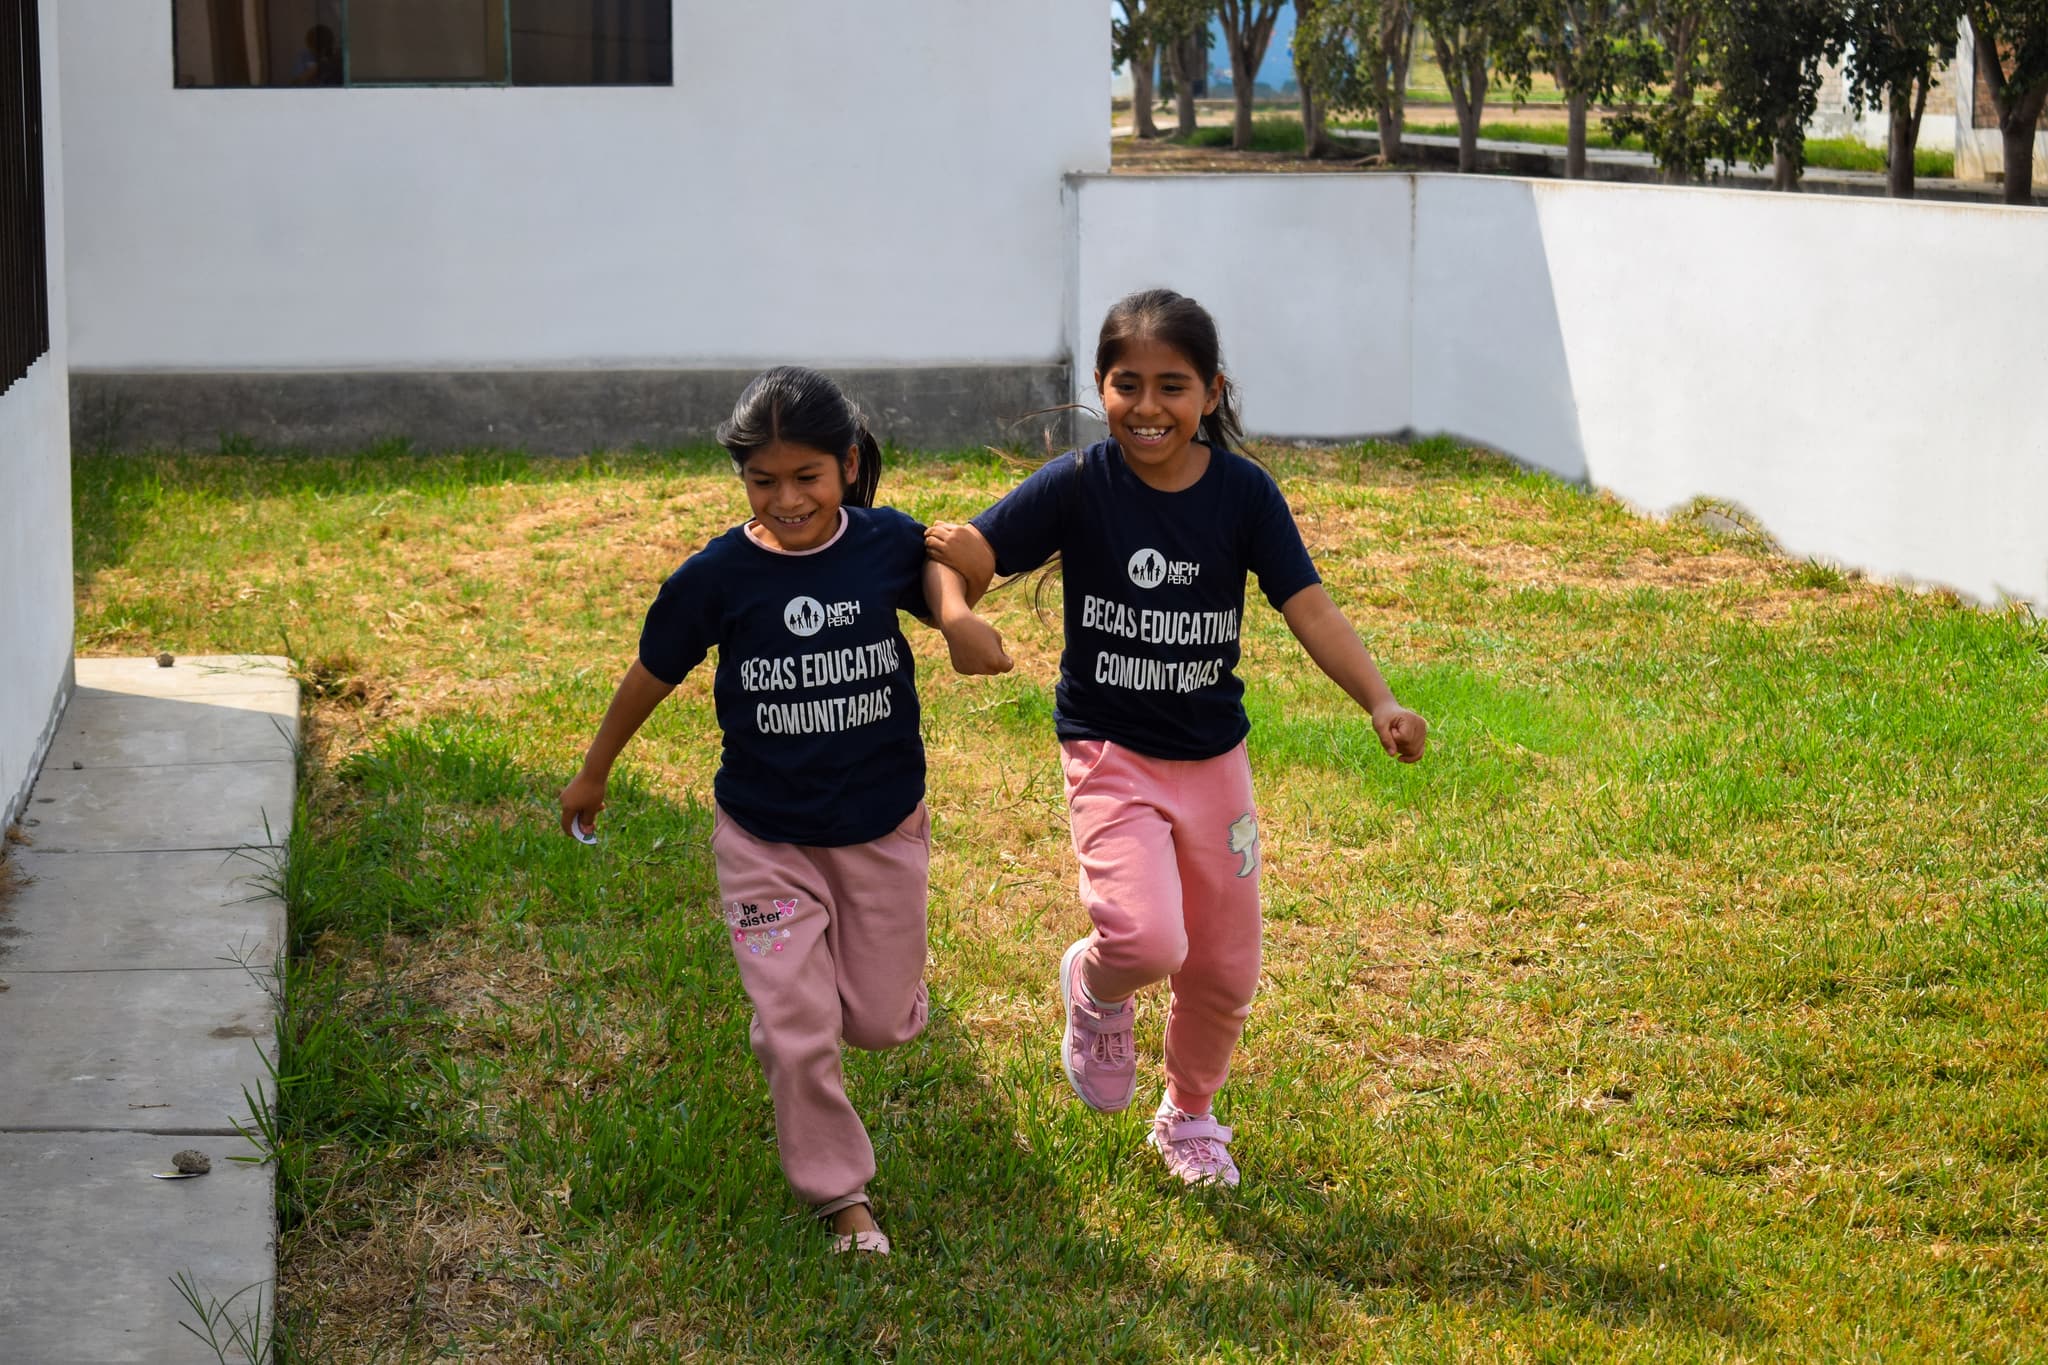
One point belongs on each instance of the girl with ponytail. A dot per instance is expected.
(819, 830)
(1157, 529)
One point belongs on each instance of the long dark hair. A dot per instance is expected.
(1178, 321)
(800, 406)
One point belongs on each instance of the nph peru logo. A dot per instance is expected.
(804, 616)
(1148, 568)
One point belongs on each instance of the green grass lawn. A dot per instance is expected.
(1282, 133)
(1686, 1003)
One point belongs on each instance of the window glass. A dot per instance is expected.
(279, 43)
(257, 42)
(426, 41)
(591, 42)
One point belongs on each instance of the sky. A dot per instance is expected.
(1279, 66)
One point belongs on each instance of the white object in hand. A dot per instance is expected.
(587, 836)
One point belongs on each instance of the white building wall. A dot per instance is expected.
(1661, 343)
(35, 504)
(837, 184)
(1308, 276)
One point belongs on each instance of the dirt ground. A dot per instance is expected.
(1130, 155)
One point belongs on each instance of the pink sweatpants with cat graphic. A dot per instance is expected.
(1169, 856)
(831, 946)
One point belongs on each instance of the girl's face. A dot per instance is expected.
(795, 491)
(1155, 403)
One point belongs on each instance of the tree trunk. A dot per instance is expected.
(1142, 95)
(2016, 122)
(1785, 171)
(1394, 49)
(1315, 142)
(1575, 140)
(1788, 158)
(2018, 136)
(1390, 116)
(1904, 140)
(1465, 74)
(1679, 41)
(1185, 57)
(1243, 71)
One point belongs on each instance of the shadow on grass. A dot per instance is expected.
(1356, 1246)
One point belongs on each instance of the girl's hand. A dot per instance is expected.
(582, 799)
(975, 645)
(963, 550)
(1403, 734)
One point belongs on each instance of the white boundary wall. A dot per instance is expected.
(847, 184)
(1856, 374)
(35, 504)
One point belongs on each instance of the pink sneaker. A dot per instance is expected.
(1096, 1051)
(1195, 1148)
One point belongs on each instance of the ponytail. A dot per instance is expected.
(1222, 428)
(868, 474)
(801, 406)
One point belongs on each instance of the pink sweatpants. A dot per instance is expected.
(831, 946)
(1169, 856)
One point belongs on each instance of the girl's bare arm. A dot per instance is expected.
(963, 549)
(1337, 650)
(639, 692)
(974, 644)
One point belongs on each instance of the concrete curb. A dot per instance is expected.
(138, 998)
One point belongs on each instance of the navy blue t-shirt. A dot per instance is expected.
(816, 691)
(1154, 591)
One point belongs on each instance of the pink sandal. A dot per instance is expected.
(871, 1240)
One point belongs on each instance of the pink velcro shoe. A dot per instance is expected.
(1096, 1051)
(1195, 1147)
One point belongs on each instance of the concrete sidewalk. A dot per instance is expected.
(135, 993)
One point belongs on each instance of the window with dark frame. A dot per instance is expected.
(279, 44)
(24, 264)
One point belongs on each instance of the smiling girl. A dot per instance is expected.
(1156, 529)
(819, 830)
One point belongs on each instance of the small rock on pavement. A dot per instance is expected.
(166, 659)
(191, 1162)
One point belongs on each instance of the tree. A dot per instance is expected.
(1467, 36)
(1132, 43)
(1308, 79)
(1892, 55)
(2011, 41)
(1671, 50)
(1180, 29)
(1358, 52)
(1247, 32)
(1582, 45)
(1767, 62)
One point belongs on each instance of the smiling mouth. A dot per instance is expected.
(1150, 433)
(793, 521)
